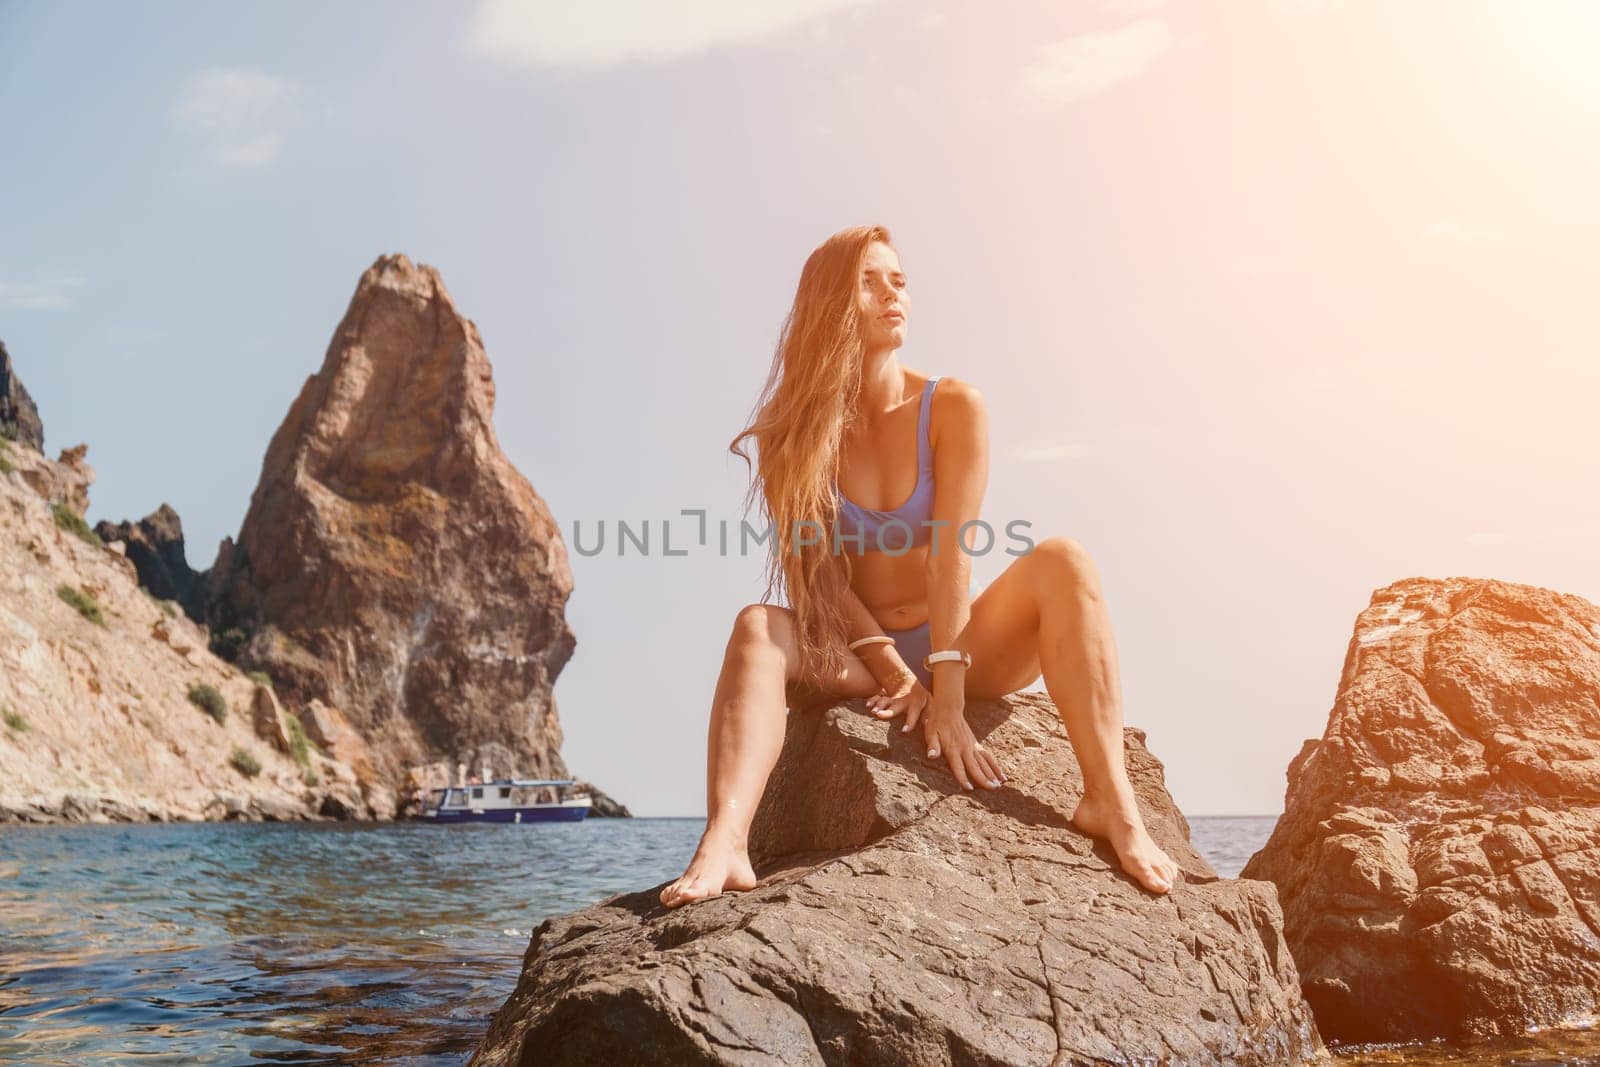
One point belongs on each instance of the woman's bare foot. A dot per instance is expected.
(1120, 824)
(721, 862)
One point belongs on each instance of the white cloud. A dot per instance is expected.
(1048, 453)
(44, 294)
(242, 113)
(606, 33)
(1086, 64)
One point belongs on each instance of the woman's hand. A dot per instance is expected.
(946, 729)
(899, 689)
(905, 694)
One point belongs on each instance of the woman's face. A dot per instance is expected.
(884, 302)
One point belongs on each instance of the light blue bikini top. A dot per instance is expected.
(854, 519)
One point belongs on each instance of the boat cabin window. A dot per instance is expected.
(477, 792)
(505, 790)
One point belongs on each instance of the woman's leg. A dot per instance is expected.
(1046, 613)
(748, 713)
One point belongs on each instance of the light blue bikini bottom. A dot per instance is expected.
(914, 644)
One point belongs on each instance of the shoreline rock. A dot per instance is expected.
(1438, 858)
(70, 808)
(903, 920)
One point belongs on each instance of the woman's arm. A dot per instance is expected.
(961, 474)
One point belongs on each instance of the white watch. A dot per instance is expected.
(947, 656)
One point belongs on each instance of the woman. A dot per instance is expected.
(841, 422)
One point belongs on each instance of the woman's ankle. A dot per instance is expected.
(728, 835)
(1117, 798)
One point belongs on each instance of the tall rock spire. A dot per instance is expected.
(393, 562)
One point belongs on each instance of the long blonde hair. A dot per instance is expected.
(799, 420)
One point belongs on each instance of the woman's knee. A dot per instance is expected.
(1066, 561)
(763, 626)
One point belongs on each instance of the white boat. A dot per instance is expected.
(513, 800)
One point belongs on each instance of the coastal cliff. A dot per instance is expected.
(113, 708)
(1438, 858)
(398, 584)
(900, 919)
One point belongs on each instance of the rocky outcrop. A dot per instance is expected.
(903, 920)
(19, 418)
(393, 563)
(266, 715)
(603, 805)
(330, 731)
(63, 483)
(97, 721)
(1438, 858)
(155, 546)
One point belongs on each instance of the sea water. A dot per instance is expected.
(328, 943)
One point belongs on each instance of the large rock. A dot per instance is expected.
(155, 546)
(603, 805)
(1438, 858)
(903, 920)
(393, 563)
(325, 725)
(267, 716)
(19, 418)
(337, 739)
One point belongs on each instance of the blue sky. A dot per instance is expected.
(1272, 303)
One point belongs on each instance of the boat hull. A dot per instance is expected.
(512, 815)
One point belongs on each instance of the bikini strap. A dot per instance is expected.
(924, 424)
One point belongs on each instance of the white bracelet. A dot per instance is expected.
(877, 639)
(949, 655)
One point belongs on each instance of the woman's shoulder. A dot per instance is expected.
(956, 401)
(955, 394)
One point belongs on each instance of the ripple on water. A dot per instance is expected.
(328, 944)
(289, 943)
